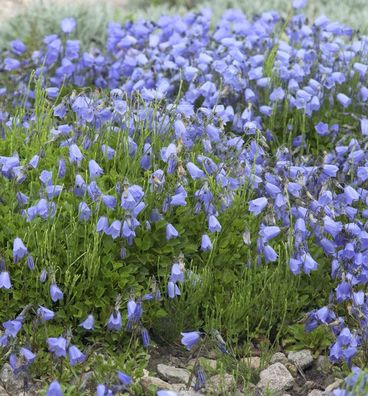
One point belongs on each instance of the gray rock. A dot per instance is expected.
(302, 359)
(276, 378)
(173, 374)
(315, 392)
(147, 381)
(9, 380)
(279, 357)
(221, 383)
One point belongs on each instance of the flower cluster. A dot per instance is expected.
(212, 117)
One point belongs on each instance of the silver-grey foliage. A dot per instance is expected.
(43, 16)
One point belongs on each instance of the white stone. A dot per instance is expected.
(276, 378)
(147, 381)
(302, 359)
(278, 357)
(173, 374)
(315, 392)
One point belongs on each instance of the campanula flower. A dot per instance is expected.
(30, 262)
(5, 280)
(28, 355)
(173, 290)
(194, 171)
(351, 195)
(114, 230)
(102, 224)
(178, 199)
(19, 250)
(309, 263)
(68, 25)
(43, 276)
(125, 379)
(12, 327)
(171, 232)
(200, 377)
(45, 314)
(11, 64)
(364, 126)
(206, 243)
(18, 47)
(22, 198)
(109, 152)
(93, 191)
(115, 323)
(295, 266)
(103, 390)
(120, 106)
(343, 292)
(88, 323)
(75, 155)
(84, 212)
(57, 346)
(269, 254)
(145, 337)
(55, 293)
(277, 94)
(75, 355)
(94, 169)
(109, 201)
(213, 224)
(269, 232)
(54, 389)
(177, 274)
(191, 338)
(344, 100)
(322, 128)
(257, 205)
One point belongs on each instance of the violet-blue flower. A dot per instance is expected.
(54, 389)
(191, 338)
(88, 323)
(125, 379)
(68, 25)
(55, 293)
(19, 250)
(44, 313)
(5, 280)
(75, 355)
(57, 346)
(115, 323)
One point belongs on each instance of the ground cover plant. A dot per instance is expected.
(182, 184)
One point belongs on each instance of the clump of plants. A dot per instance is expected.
(181, 179)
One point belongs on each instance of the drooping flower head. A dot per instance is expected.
(191, 338)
